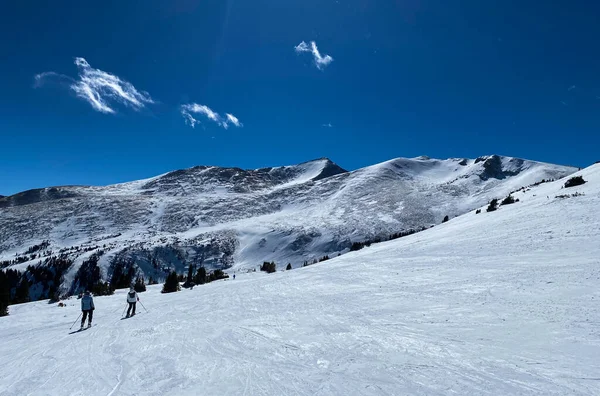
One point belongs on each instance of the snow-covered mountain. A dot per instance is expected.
(495, 303)
(222, 217)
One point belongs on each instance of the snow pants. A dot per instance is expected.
(131, 309)
(87, 312)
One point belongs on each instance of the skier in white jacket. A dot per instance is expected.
(132, 298)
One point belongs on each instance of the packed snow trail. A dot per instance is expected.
(501, 303)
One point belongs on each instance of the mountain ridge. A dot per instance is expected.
(330, 162)
(223, 217)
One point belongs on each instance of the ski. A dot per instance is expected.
(82, 329)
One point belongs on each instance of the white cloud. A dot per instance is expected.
(328, 125)
(320, 61)
(99, 88)
(189, 110)
(233, 119)
(572, 87)
(43, 78)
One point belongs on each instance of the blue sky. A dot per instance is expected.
(407, 78)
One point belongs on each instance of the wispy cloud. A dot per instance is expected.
(320, 61)
(572, 87)
(189, 110)
(328, 125)
(563, 103)
(45, 77)
(233, 120)
(99, 88)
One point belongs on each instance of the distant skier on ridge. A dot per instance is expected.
(132, 298)
(87, 308)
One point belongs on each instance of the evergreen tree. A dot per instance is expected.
(4, 294)
(508, 200)
(289, 267)
(123, 274)
(493, 205)
(53, 294)
(268, 267)
(217, 274)
(189, 280)
(171, 283)
(22, 294)
(200, 277)
(575, 181)
(190, 276)
(446, 218)
(102, 289)
(140, 285)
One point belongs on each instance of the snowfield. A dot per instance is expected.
(500, 303)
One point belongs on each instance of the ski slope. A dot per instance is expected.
(501, 303)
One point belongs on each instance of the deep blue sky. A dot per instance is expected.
(409, 77)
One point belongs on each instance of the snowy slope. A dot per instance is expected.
(219, 217)
(499, 303)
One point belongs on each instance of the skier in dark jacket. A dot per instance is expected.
(87, 308)
(132, 298)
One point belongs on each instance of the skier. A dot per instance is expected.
(87, 308)
(132, 298)
(233, 276)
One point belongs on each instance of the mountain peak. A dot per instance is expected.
(328, 169)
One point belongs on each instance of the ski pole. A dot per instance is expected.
(75, 321)
(143, 305)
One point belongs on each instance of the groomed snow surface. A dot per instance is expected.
(501, 303)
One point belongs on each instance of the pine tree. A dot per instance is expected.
(575, 181)
(446, 218)
(268, 267)
(289, 267)
(189, 280)
(102, 289)
(493, 205)
(4, 294)
(171, 283)
(190, 275)
(200, 277)
(22, 293)
(140, 285)
(508, 200)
